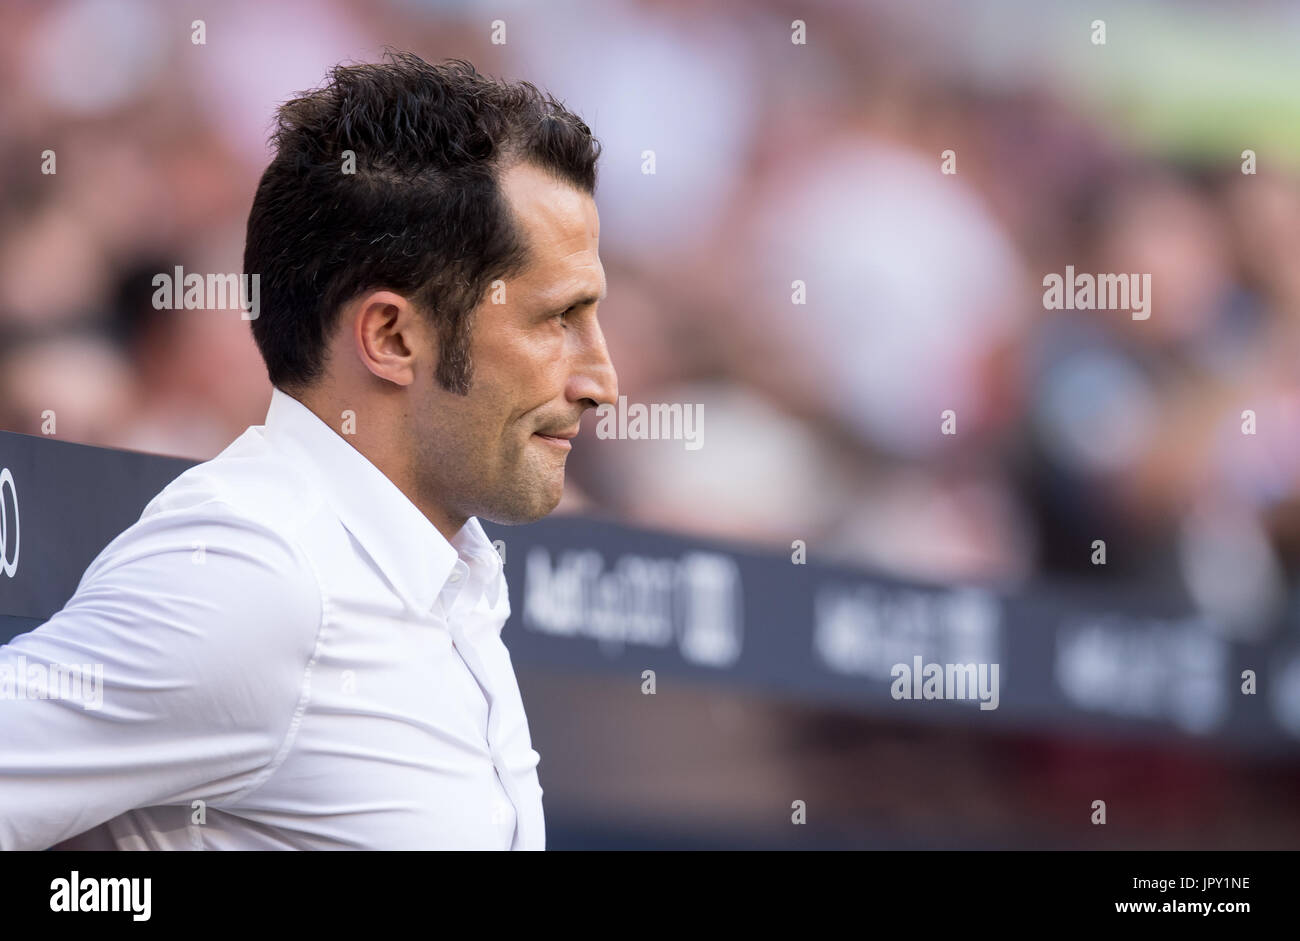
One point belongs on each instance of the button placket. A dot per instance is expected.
(459, 597)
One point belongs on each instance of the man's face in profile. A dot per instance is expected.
(539, 361)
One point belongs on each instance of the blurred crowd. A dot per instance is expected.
(774, 162)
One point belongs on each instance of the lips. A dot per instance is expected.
(554, 441)
(566, 435)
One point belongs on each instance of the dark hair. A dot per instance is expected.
(422, 214)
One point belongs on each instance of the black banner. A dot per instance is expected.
(597, 596)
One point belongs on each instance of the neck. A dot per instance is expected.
(377, 438)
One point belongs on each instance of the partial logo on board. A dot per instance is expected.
(8, 523)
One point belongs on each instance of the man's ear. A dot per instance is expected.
(388, 335)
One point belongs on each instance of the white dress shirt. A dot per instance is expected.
(293, 658)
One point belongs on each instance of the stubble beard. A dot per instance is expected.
(527, 486)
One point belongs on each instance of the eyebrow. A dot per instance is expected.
(581, 301)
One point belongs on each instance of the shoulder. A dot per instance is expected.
(221, 547)
(249, 479)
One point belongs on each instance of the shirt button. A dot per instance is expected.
(455, 577)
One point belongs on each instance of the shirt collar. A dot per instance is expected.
(408, 549)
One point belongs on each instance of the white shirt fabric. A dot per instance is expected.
(288, 640)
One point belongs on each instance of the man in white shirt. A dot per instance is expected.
(300, 639)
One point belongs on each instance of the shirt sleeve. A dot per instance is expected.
(173, 674)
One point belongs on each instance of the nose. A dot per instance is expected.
(592, 380)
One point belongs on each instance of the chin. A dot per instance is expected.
(520, 508)
(547, 503)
